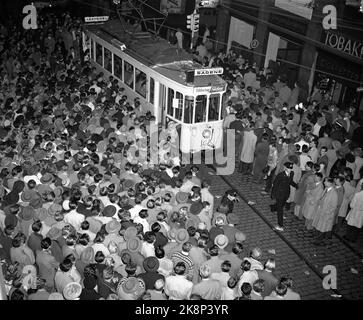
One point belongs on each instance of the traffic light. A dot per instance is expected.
(190, 21)
(196, 23)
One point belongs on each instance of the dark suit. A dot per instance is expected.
(270, 281)
(281, 192)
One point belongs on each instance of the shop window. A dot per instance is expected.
(129, 74)
(140, 83)
(188, 109)
(214, 102)
(107, 60)
(99, 54)
(117, 67)
(200, 109)
(179, 110)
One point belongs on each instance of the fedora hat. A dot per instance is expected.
(28, 195)
(165, 267)
(172, 234)
(58, 191)
(46, 178)
(41, 214)
(94, 224)
(130, 232)
(87, 255)
(221, 241)
(113, 226)
(72, 291)
(130, 288)
(182, 236)
(182, 197)
(36, 203)
(54, 208)
(54, 233)
(109, 211)
(134, 244)
(27, 213)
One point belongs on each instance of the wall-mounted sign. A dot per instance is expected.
(208, 72)
(341, 43)
(96, 19)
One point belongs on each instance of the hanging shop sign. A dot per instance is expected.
(344, 44)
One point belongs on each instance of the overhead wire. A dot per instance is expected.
(237, 47)
(242, 5)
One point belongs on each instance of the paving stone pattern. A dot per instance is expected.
(335, 253)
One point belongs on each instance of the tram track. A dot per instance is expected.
(302, 256)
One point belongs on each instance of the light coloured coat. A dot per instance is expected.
(325, 215)
(355, 215)
(248, 148)
(311, 201)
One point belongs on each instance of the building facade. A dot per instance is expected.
(289, 36)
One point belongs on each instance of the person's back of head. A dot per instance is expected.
(246, 289)
(246, 265)
(213, 251)
(281, 289)
(259, 286)
(180, 268)
(226, 266)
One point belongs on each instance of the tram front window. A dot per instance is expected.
(188, 109)
(201, 109)
(214, 102)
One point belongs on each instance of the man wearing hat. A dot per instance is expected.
(151, 274)
(113, 227)
(134, 246)
(281, 192)
(221, 241)
(72, 291)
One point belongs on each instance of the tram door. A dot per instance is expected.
(162, 104)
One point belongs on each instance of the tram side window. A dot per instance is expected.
(99, 58)
(200, 109)
(152, 90)
(107, 60)
(140, 82)
(188, 109)
(129, 74)
(170, 109)
(214, 102)
(117, 66)
(179, 110)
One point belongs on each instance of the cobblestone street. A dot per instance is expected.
(295, 254)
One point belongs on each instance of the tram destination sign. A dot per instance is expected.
(208, 72)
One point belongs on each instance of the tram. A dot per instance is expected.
(161, 76)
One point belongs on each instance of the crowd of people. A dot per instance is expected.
(87, 215)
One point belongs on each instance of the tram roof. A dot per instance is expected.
(156, 53)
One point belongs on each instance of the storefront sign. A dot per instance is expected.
(208, 72)
(96, 19)
(341, 43)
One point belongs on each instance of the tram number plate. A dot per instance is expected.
(208, 72)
